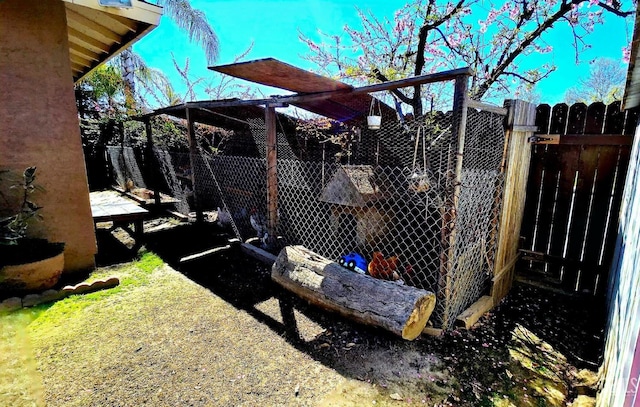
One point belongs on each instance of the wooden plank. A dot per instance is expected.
(475, 104)
(594, 123)
(558, 122)
(471, 315)
(92, 26)
(607, 164)
(548, 194)
(258, 254)
(204, 254)
(576, 118)
(596, 139)
(534, 187)
(271, 72)
(272, 174)
(583, 139)
(614, 119)
(82, 39)
(514, 197)
(567, 160)
(83, 52)
(543, 118)
(631, 121)
(79, 59)
(582, 209)
(112, 22)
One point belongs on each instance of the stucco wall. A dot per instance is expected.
(39, 123)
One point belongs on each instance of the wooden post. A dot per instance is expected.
(272, 174)
(448, 234)
(151, 163)
(193, 157)
(520, 127)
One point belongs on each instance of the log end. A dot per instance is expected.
(419, 317)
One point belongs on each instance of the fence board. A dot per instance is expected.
(570, 223)
(534, 186)
(576, 118)
(561, 222)
(582, 208)
(631, 121)
(595, 118)
(543, 115)
(614, 119)
(558, 119)
(607, 164)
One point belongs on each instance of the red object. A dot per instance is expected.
(383, 269)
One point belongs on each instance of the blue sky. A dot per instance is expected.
(273, 26)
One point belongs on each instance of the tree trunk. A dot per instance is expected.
(401, 309)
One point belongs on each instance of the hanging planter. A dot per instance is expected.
(374, 121)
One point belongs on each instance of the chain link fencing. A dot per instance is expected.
(392, 190)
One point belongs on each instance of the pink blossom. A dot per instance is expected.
(593, 2)
(514, 12)
(626, 54)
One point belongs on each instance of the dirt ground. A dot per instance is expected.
(218, 332)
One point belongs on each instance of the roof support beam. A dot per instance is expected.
(80, 38)
(83, 52)
(93, 26)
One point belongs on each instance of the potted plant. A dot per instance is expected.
(26, 264)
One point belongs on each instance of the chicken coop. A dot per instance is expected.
(426, 188)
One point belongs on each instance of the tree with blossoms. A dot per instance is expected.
(492, 38)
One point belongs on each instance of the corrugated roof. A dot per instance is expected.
(98, 33)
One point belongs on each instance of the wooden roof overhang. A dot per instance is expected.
(98, 33)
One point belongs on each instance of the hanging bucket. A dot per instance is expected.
(373, 122)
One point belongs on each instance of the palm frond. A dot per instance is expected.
(195, 23)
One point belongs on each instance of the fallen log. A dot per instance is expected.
(401, 309)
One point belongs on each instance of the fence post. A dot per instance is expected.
(151, 163)
(520, 127)
(454, 182)
(272, 175)
(193, 157)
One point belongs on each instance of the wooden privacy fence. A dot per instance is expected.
(578, 166)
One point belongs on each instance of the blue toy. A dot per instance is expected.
(354, 262)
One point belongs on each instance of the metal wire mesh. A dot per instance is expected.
(391, 190)
(124, 163)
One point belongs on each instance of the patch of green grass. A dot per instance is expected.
(20, 382)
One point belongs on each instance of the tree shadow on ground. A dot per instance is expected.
(464, 367)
